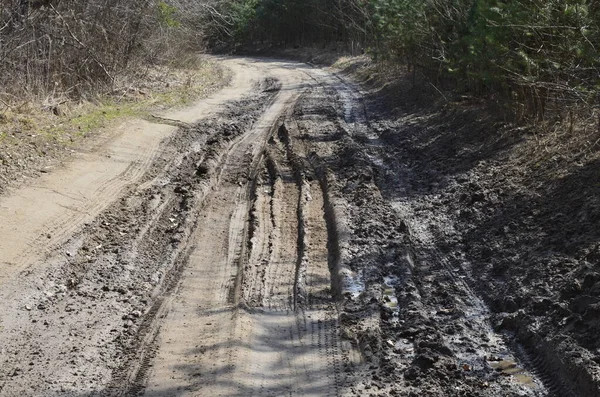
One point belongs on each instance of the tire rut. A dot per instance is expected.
(261, 344)
(286, 213)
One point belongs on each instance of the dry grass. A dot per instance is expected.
(35, 132)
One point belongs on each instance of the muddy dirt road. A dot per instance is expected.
(252, 253)
(169, 262)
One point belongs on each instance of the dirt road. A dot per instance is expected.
(229, 331)
(249, 254)
(126, 267)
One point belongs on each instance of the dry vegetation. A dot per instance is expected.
(68, 68)
(75, 49)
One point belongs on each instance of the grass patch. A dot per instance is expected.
(103, 115)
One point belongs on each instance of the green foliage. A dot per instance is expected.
(291, 22)
(244, 18)
(166, 15)
(520, 48)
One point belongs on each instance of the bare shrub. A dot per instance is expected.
(78, 48)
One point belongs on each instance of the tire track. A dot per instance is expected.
(310, 321)
(216, 265)
(273, 342)
(203, 270)
(37, 220)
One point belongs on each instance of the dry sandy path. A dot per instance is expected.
(38, 218)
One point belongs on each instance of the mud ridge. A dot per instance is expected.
(299, 169)
(250, 228)
(335, 229)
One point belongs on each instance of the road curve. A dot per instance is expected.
(39, 218)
